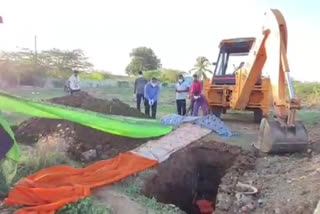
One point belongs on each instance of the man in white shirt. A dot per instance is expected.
(182, 89)
(74, 82)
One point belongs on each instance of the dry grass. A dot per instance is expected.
(48, 151)
(309, 93)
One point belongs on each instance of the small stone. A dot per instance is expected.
(244, 209)
(224, 201)
(243, 199)
(251, 206)
(260, 202)
(277, 211)
(89, 155)
(59, 125)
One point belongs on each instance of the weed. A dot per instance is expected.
(134, 192)
(309, 117)
(49, 151)
(84, 206)
(308, 92)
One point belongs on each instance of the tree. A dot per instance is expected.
(21, 66)
(62, 62)
(24, 67)
(142, 59)
(201, 68)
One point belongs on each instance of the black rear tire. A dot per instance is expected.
(258, 115)
(216, 111)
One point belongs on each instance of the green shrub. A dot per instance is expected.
(308, 92)
(49, 151)
(84, 206)
(163, 75)
(150, 74)
(123, 84)
(94, 76)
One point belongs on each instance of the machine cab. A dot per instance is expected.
(232, 56)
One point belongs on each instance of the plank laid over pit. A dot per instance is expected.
(50, 189)
(161, 149)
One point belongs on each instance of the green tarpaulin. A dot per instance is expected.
(124, 126)
(8, 164)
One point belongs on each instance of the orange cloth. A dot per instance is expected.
(50, 189)
(205, 206)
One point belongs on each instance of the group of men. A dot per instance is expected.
(149, 93)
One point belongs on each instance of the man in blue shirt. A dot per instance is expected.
(151, 95)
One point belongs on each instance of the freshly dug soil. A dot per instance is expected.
(195, 172)
(105, 145)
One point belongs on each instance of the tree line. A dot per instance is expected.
(26, 67)
(144, 59)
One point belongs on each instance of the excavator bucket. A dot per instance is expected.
(274, 138)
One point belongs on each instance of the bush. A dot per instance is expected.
(123, 84)
(169, 75)
(163, 75)
(94, 76)
(150, 74)
(308, 92)
(165, 84)
(84, 206)
(49, 151)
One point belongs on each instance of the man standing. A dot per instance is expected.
(139, 85)
(74, 82)
(199, 101)
(195, 88)
(151, 95)
(182, 89)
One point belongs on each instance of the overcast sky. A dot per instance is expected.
(177, 30)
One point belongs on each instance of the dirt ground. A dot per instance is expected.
(286, 183)
(88, 144)
(211, 168)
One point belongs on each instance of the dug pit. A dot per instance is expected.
(192, 176)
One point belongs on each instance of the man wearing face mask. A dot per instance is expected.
(182, 89)
(139, 89)
(151, 95)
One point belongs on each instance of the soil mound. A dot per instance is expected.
(88, 144)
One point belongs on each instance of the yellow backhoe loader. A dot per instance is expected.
(258, 80)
